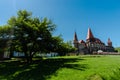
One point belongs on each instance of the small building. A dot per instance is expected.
(4, 55)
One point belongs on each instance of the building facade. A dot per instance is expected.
(92, 44)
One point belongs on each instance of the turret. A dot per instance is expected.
(90, 37)
(75, 40)
(90, 41)
(109, 42)
(89, 34)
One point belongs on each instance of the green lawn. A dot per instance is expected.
(93, 67)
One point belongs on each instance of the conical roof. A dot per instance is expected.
(109, 41)
(75, 37)
(89, 34)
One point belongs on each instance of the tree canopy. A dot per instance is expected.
(31, 34)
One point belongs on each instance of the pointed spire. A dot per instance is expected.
(75, 41)
(75, 37)
(89, 34)
(109, 42)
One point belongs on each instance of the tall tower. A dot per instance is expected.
(89, 34)
(75, 40)
(109, 42)
(89, 41)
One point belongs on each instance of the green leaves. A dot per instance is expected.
(28, 29)
(24, 29)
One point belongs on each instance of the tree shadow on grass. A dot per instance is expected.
(38, 70)
(81, 67)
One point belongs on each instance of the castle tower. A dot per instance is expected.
(109, 42)
(89, 34)
(90, 41)
(75, 40)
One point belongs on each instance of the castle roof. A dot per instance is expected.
(109, 41)
(75, 37)
(89, 34)
(98, 40)
(81, 41)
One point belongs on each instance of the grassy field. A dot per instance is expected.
(93, 67)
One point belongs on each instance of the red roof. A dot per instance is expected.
(89, 35)
(98, 40)
(75, 37)
(81, 41)
(109, 41)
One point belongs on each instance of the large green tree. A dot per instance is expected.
(30, 34)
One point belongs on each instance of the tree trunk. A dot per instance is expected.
(27, 57)
(30, 57)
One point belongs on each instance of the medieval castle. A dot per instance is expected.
(92, 44)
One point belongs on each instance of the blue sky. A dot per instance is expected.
(102, 16)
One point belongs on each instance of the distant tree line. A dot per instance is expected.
(28, 34)
(117, 49)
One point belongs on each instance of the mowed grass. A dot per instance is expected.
(105, 67)
(85, 67)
